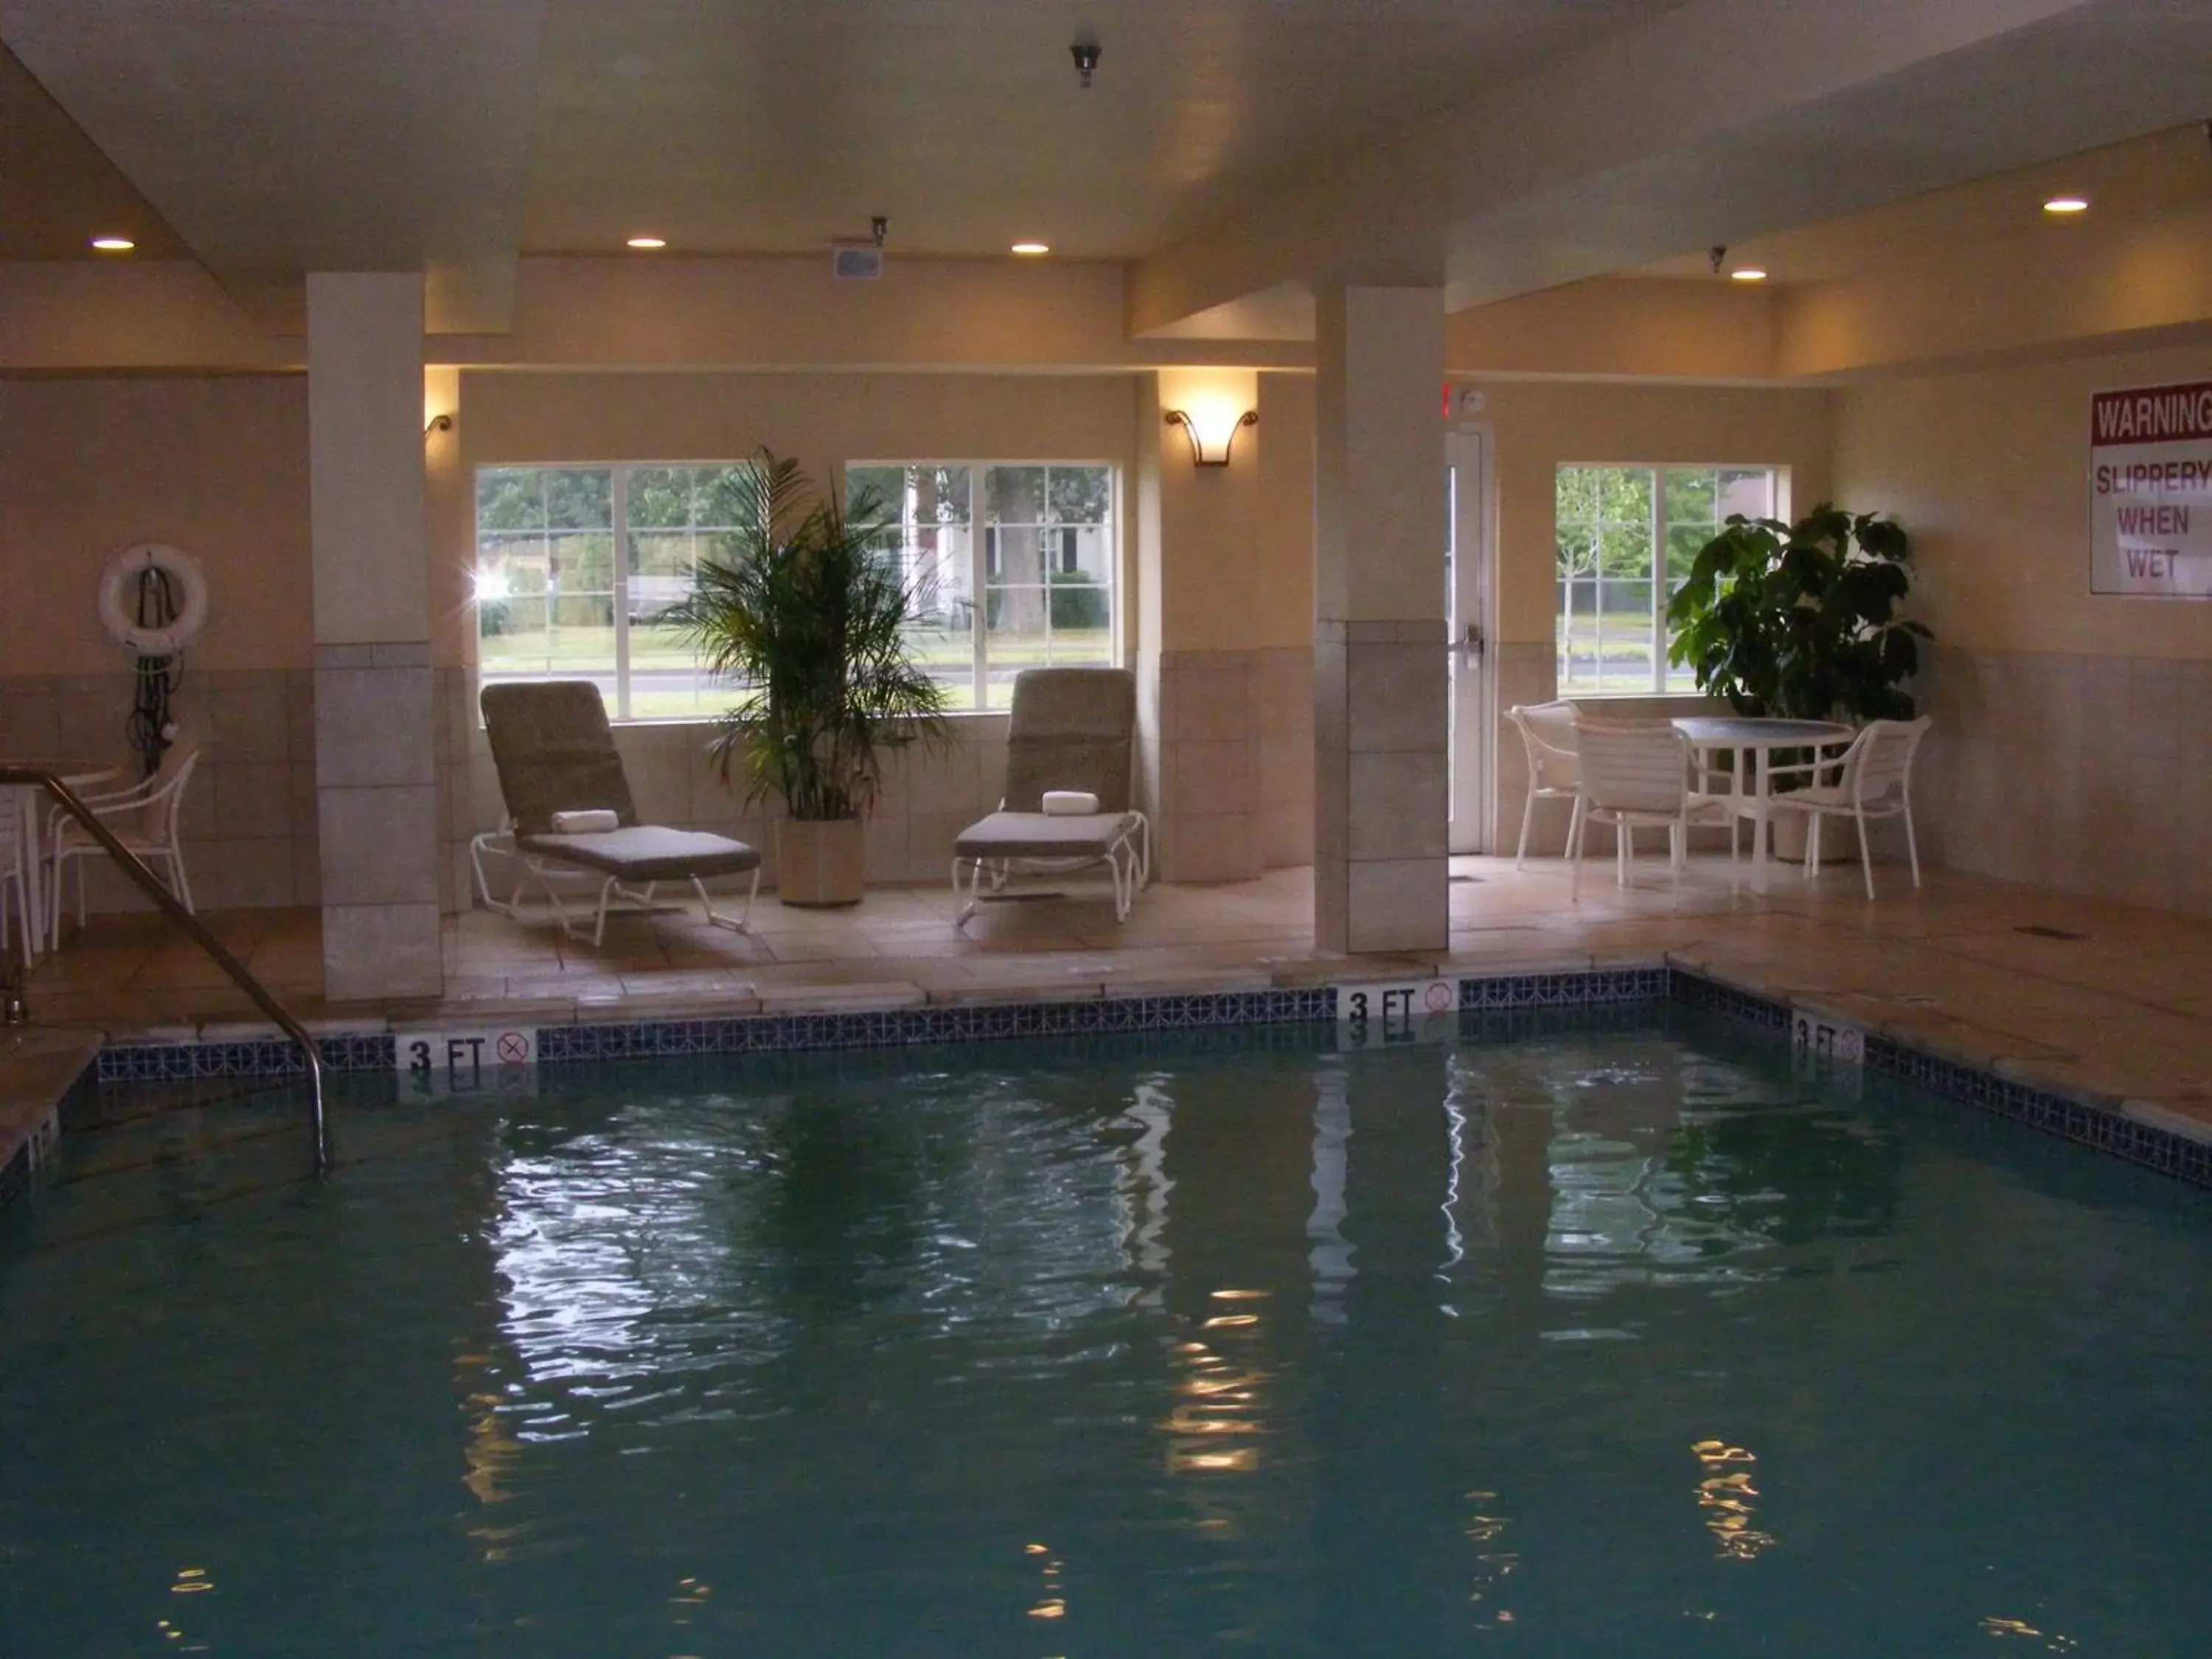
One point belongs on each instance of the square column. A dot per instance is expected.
(375, 740)
(1381, 675)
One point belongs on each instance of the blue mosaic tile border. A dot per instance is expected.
(1570, 990)
(1709, 994)
(887, 1028)
(169, 1063)
(2107, 1130)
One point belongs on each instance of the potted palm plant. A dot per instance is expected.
(804, 610)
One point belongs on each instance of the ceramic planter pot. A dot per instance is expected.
(820, 861)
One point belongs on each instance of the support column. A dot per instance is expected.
(1381, 678)
(375, 742)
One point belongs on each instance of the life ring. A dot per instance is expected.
(118, 599)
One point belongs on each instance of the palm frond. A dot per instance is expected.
(805, 616)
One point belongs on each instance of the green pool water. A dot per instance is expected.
(1569, 1340)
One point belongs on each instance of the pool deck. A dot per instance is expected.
(2086, 998)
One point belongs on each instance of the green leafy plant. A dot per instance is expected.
(1800, 621)
(805, 609)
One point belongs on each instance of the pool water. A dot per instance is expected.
(1568, 1339)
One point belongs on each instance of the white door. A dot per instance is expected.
(1468, 568)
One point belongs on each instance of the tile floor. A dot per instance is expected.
(2115, 1008)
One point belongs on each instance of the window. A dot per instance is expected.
(1044, 567)
(1626, 536)
(554, 600)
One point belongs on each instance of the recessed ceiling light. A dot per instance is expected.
(113, 244)
(648, 241)
(2067, 204)
(1748, 274)
(1032, 250)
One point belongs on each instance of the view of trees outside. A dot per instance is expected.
(1626, 537)
(551, 601)
(1047, 555)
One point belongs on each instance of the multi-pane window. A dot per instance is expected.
(1626, 536)
(553, 601)
(1036, 543)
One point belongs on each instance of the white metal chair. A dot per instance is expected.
(16, 875)
(1872, 779)
(1637, 774)
(1555, 771)
(144, 818)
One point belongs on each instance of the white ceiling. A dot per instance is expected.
(766, 126)
(274, 137)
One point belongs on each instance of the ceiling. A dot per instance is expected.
(760, 126)
(56, 190)
(268, 138)
(2127, 185)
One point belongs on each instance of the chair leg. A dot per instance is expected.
(1911, 846)
(1575, 821)
(1575, 837)
(1527, 817)
(1866, 857)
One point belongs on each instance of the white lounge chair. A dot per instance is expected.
(1555, 771)
(1073, 730)
(1637, 774)
(557, 757)
(1872, 779)
(144, 818)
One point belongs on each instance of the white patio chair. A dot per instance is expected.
(16, 877)
(1636, 773)
(1872, 779)
(144, 818)
(1555, 771)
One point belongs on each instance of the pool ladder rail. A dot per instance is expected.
(138, 869)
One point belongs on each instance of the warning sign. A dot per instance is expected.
(2150, 491)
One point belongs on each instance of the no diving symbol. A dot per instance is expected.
(1440, 997)
(513, 1049)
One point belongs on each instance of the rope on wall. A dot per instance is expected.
(150, 729)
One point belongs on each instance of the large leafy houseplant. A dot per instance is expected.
(803, 609)
(1800, 621)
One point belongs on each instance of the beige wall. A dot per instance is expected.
(215, 466)
(2070, 747)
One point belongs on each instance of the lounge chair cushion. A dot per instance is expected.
(647, 851)
(1036, 835)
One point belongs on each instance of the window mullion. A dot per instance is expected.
(978, 579)
(618, 492)
(1658, 578)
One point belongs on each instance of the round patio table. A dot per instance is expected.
(1759, 738)
(22, 800)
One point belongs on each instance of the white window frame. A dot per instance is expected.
(621, 531)
(981, 578)
(1778, 497)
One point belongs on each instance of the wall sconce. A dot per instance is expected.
(1210, 442)
(437, 423)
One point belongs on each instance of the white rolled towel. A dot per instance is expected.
(1069, 803)
(596, 822)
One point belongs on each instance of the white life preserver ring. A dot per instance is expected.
(118, 599)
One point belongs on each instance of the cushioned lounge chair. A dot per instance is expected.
(556, 755)
(1073, 729)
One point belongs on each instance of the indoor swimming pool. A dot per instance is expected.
(1607, 1334)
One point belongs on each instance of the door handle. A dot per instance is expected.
(1470, 644)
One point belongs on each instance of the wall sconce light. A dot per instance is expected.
(437, 423)
(1212, 439)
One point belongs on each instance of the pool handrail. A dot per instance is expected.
(138, 869)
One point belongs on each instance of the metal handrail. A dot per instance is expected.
(138, 870)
